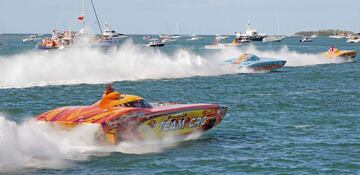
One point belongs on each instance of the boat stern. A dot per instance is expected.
(348, 54)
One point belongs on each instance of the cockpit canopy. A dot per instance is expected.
(138, 104)
(250, 57)
(115, 99)
(133, 101)
(246, 57)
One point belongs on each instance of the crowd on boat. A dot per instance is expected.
(62, 39)
(58, 40)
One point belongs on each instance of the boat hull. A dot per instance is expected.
(252, 38)
(345, 54)
(306, 40)
(178, 123)
(133, 124)
(156, 45)
(46, 47)
(258, 63)
(266, 66)
(272, 39)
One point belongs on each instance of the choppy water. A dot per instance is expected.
(302, 119)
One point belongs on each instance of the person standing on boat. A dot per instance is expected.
(110, 97)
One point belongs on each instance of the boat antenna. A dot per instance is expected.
(97, 18)
(278, 25)
(177, 28)
(83, 13)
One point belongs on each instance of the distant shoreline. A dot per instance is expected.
(328, 32)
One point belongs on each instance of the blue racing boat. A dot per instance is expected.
(256, 63)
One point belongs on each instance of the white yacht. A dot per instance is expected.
(218, 45)
(109, 37)
(315, 35)
(108, 33)
(273, 38)
(337, 36)
(353, 39)
(168, 38)
(32, 38)
(306, 40)
(154, 42)
(250, 34)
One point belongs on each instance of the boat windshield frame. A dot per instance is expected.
(252, 58)
(138, 104)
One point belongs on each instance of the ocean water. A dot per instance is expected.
(302, 119)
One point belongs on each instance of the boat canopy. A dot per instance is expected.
(251, 57)
(246, 57)
(115, 99)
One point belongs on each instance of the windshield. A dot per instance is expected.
(252, 58)
(138, 104)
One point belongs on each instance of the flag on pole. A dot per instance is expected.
(81, 18)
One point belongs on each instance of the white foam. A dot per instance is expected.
(41, 145)
(129, 62)
(90, 65)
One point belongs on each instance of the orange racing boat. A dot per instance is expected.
(336, 53)
(128, 117)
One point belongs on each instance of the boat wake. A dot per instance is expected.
(128, 63)
(93, 66)
(292, 58)
(38, 145)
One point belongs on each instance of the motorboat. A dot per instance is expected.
(49, 44)
(334, 53)
(272, 39)
(314, 36)
(221, 37)
(337, 36)
(167, 40)
(112, 34)
(250, 34)
(169, 36)
(31, 38)
(353, 39)
(175, 36)
(218, 45)
(146, 37)
(155, 43)
(253, 62)
(109, 38)
(123, 117)
(306, 40)
(58, 40)
(194, 38)
(244, 40)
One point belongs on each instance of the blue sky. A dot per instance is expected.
(193, 16)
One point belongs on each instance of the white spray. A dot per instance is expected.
(129, 62)
(35, 144)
